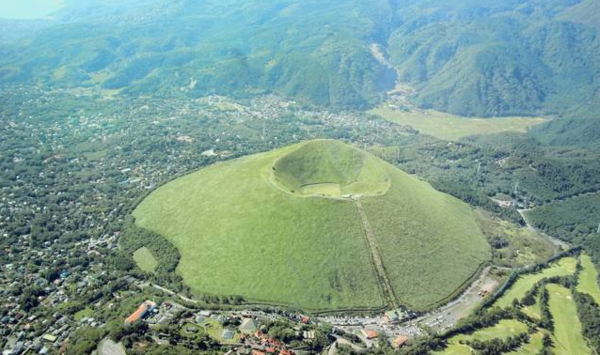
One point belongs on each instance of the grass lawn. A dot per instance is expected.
(565, 266)
(84, 313)
(450, 127)
(242, 231)
(145, 260)
(502, 330)
(588, 278)
(567, 328)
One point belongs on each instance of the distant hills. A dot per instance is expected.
(466, 57)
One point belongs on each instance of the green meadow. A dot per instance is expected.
(145, 260)
(450, 127)
(251, 227)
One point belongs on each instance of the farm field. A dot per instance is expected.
(588, 278)
(564, 266)
(250, 227)
(449, 127)
(502, 330)
(568, 339)
(145, 260)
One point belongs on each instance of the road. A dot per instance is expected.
(559, 244)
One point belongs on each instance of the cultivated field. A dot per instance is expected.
(568, 339)
(588, 278)
(565, 266)
(250, 227)
(145, 260)
(450, 127)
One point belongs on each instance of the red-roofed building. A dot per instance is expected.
(399, 341)
(141, 312)
(370, 334)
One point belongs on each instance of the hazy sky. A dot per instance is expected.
(28, 9)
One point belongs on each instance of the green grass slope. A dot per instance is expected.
(242, 231)
(431, 242)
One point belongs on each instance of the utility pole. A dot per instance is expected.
(478, 168)
(516, 188)
(598, 228)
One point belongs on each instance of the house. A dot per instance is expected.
(370, 334)
(143, 310)
(248, 326)
(399, 341)
(49, 338)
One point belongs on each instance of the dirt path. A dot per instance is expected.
(559, 244)
(380, 271)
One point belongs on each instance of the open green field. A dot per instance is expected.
(564, 266)
(588, 278)
(145, 260)
(449, 127)
(568, 339)
(250, 227)
(502, 330)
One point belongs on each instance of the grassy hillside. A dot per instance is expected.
(330, 165)
(240, 233)
(417, 227)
